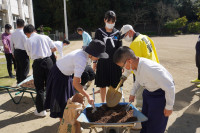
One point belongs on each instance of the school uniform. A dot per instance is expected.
(59, 46)
(144, 47)
(38, 48)
(88, 75)
(197, 47)
(59, 84)
(159, 94)
(8, 53)
(18, 39)
(108, 73)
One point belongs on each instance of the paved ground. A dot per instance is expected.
(176, 53)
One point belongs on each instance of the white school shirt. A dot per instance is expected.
(39, 46)
(18, 40)
(153, 76)
(59, 46)
(74, 62)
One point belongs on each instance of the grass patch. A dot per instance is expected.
(5, 80)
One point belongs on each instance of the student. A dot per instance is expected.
(197, 80)
(60, 86)
(86, 37)
(7, 49)
(142, 46)
(59, 45)
(39, 47)
(18, 39)
(87, 77)
(107, 72)
(159, 92)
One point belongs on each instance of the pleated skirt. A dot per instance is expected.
(107, 73)
(59, 89)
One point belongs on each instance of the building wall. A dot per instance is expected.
(11, 10)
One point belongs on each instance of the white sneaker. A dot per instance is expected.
(42, 113)
(197, 93)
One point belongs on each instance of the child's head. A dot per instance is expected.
(79, 30)
(66, 42)
(110, 19)
(8, 27)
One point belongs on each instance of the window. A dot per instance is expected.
(15, 17)
(25, 2)
(26, 21)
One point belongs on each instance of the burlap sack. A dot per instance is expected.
(69, 124)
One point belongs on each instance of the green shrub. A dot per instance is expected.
(194, 27)
(176, 25)
(46, 30)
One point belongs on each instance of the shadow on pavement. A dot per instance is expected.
(184, 97)
(18, 119)
(188, 122)
(48, 129)
(25, 104)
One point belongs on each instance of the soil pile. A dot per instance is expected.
(105, 114)
(29, 84)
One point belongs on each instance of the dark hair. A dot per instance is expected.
(66, 41)
(29, 28)
(110, 15)
(79, 29)
(8, 27)
(122, 54)
(20, 23)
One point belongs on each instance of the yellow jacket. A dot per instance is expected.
(143, 46)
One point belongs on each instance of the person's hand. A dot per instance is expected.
(55, 56)
(6, 47)
(90, 100)
(167, 113)
(131, 98)
(94, 67)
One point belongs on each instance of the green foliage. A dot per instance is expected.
(49, 13)
(198, 14)
(181, 22)
(47, 29)
(89, 14)
(176, 25)
(187, 8)
(194, 27)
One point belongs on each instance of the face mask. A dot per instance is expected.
(110, 26)
(131, 68)
(128, 39)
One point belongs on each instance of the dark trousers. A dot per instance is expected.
(153, 108)
(10, 59)
(199, 73)
(23, 64)
(87, 75)
(53, 58)
(41, 68)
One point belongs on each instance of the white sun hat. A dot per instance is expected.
(125, 29)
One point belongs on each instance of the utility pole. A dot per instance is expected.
(65, 20)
